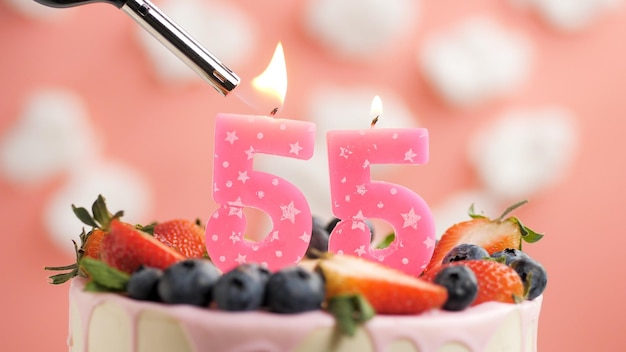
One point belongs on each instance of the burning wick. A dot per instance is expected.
(273, 112)
(374, 120)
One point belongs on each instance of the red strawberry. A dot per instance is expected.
(126, 248)
(496, 281)
(91, 247)
(186, 237)
(389, 291)
(493, 235)
(99, 221)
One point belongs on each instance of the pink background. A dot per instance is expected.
(92, 51)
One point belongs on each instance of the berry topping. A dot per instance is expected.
(294, 290)
(126, 248)
(190, 281)
(143, 284)
(461, 284)
(496, 281)
(465, 251)
(346, 275)
(319, 239)
(493, 235)
(242, 288)
(533, 276)
(509, 255)
(185, 236)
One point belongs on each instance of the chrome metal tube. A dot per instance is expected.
(182, 45)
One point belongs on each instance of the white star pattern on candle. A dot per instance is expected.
(410, 219)
(243, 176)
(410, 155)
(429, 242)
(237, 211)
(289, 212)
(234, 237)
(344, 152)
(366, 164)
(305, 237)
(360, 251)
(241, 258)
(274, 236)
(360, 189)
(295, 148)
(236, 208)
(250, 152)
(231, 137)
(358, 221)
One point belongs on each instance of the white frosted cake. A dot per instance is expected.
(104, 322)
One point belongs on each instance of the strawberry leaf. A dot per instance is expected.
(387, 241)
(528, 235)
(83, 215)
(472, 213)
(104, 276)
(350, 311)
(512, 207)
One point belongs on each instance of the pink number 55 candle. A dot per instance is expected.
(356, 197)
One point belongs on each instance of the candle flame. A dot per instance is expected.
(273, 81)
(376, 110)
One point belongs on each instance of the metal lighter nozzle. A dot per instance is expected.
(171, 36)
(182, 44)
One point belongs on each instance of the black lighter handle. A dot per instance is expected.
(171, 36)
(72, 3)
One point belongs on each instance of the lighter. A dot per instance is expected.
(171, 36)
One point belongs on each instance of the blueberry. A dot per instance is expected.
(465, 251)
(242, 288)
(319, 239)
(332, 223)
(461, 284)
(143, 284)
(533, 276)
(294, 290)
(510, 254)
(189, 281)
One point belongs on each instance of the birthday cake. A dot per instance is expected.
(153, 288)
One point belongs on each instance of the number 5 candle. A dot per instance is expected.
(236, 185)
(356, 197)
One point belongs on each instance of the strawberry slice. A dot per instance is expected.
(388, 291)
(126, 248)
(493, 235)
(185, 236)
(496, 281)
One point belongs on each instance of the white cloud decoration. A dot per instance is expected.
(52, 135)
(358, 29)
(475, 60)
(570, 15)
(524, 151)
(221, 28)
(122, 186)
(455, 207)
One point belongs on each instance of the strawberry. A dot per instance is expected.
(92, 244)
(99, 221)
(389, 291)
(185, 236)
(493, 235)
(496, 281)
(126, 248)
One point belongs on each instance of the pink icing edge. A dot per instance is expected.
(473, 327)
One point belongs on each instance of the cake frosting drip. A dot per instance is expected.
(487, 327)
